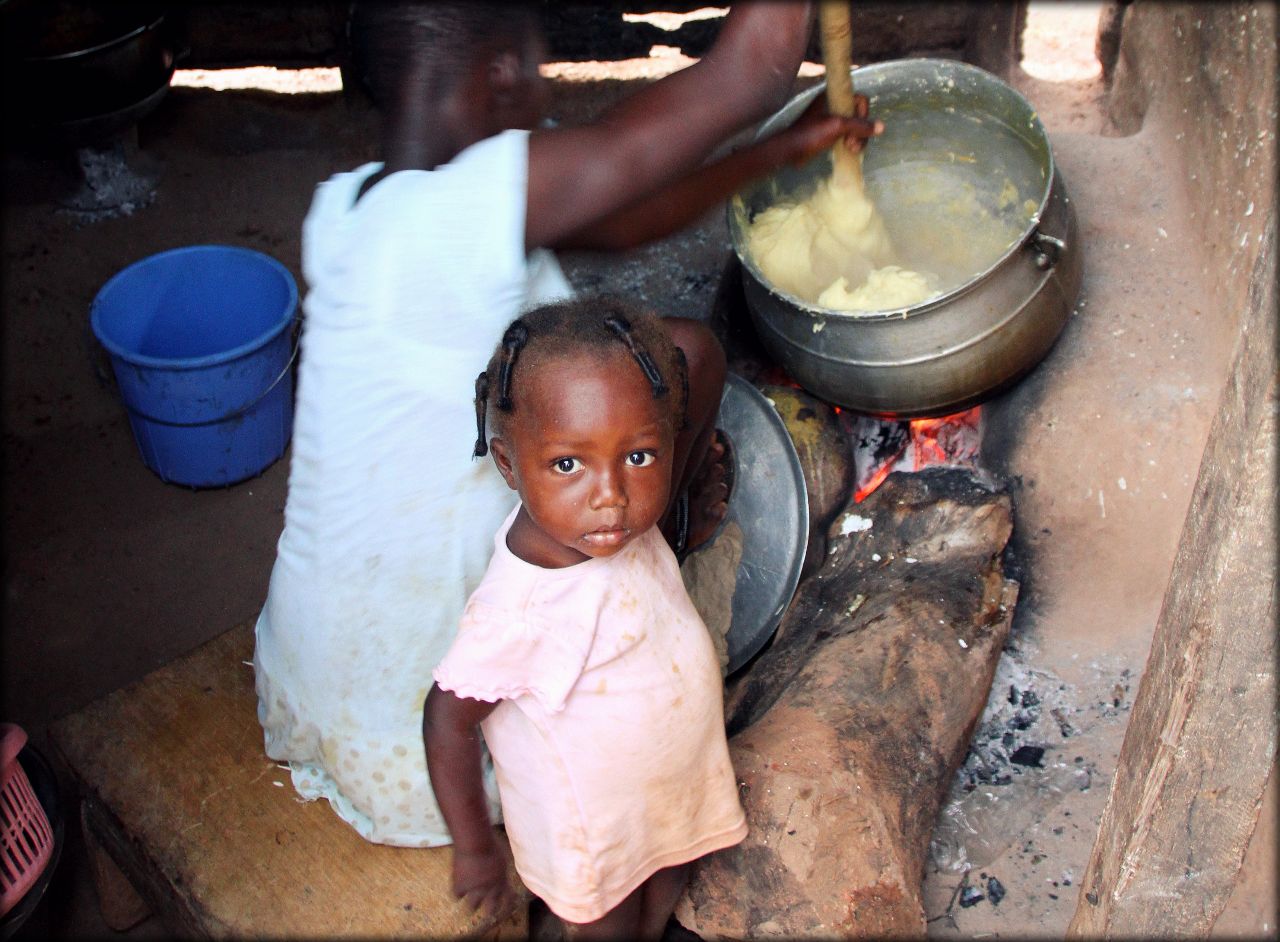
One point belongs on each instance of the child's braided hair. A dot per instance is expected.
(590, 323)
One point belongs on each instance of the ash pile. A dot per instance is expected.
(1020, 766)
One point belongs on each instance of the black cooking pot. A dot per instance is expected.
(73, 62)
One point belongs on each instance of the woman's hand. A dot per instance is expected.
(480, 878)
(817, 129)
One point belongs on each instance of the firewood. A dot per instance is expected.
(847, 731)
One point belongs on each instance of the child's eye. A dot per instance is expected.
(567, 465)
(639, 459)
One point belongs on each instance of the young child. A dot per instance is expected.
(580, 655)
(415, 264)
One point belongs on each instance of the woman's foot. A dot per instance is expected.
(708, 495)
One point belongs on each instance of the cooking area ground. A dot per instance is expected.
(111, 573)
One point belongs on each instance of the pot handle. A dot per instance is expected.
(1048, 249)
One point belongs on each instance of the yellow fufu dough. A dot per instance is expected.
(804, 247)
(819, 249)
(885, 288)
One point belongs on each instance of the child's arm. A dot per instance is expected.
(578, 176)
(450, 729)
(686, 200)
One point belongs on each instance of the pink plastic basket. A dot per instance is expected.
(27, 839)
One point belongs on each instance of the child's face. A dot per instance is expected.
(589, 449)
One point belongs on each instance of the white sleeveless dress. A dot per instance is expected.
(389, 521)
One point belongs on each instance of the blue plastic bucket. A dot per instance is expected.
(203, 358)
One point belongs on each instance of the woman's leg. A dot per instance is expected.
(642, 915)
(661, 893)
(696, 466)
(621, 922)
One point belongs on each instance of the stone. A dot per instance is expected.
(825, 458)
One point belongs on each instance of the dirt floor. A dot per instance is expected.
(110, 573)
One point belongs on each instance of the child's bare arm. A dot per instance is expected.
(578, 176)
(450, 729)
(685, 201)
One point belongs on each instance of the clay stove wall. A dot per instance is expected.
(1205, 73)
(1186, 845)
(217, 34)
(222, 33)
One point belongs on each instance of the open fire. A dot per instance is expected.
(882, 446)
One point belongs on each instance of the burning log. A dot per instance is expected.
(846, 732)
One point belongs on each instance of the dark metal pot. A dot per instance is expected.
(974, 340)
(71, 63)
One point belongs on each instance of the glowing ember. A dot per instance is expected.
(954, 439)
(882, 446)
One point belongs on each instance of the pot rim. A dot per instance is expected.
(150, 24)
(901, 313)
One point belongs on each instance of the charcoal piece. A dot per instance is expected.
(995, 891)
(1028, 755)
(970, 896)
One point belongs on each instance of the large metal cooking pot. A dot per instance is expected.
(70, 63)
(974, 340)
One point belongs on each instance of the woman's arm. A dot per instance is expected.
(450, 729)
(680, 204)
(578, 176)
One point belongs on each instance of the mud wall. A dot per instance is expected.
(311, 32)
(1205, 73)
(1187, 842)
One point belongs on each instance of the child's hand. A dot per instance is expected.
(817, 130)
(480, 877)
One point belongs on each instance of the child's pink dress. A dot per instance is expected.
(609, 742)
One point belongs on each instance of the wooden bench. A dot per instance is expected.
(180, 804)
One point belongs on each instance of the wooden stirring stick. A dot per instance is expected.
(837, 56)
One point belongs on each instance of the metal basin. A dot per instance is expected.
(990, 326)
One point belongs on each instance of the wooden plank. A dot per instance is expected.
(1253, 911)
(121, 906)
(211, 832)
(995, 36)
(1201, 739)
